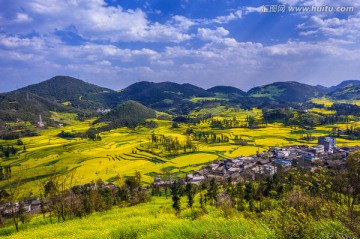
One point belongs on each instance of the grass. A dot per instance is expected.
(151, 220)
(157, 220)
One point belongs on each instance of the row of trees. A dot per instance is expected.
(250, 122)
(304, 119)
(208, 137)
(172, 145)
(62, 198)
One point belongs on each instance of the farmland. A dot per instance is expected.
(124, 151)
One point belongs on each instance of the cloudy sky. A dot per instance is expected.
(114, 43)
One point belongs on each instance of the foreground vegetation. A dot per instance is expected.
(155, 219)
(292, 204)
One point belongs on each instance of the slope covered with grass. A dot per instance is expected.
(157, 219)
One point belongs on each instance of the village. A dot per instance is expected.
(325, 154)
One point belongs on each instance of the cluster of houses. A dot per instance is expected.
(33, 204)
(325, 154)
(103, 111)
(30, 204)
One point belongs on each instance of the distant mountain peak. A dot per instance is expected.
(344, 84)
(68, 89)
(291, 91)
(346, 90)
(226, 90)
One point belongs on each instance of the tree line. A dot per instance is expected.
(61, 198)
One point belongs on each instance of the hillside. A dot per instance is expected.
(162, 95)
(129, 113)
(155, 219)
(171, 97)
(69, 90)
(290, 91)
(26, 106)
(344, 84)
(348, 92)
(226, 90)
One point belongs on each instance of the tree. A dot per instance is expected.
(176, 192)
(190, 193)
(212, 191)
(50, 191)
(249, 194)
(352, 179)
(13, 194)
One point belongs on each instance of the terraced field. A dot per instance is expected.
(124, 151)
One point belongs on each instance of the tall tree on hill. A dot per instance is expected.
(13, 194)
(176, 192)
(352, 179)
(190, 192)
(212, 191)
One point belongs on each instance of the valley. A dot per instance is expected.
(180, 131)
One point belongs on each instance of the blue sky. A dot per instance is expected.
(114, 43)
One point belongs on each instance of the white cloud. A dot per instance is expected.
(332, 27)
(22, 17)
(207, 34)
(254, 9)
(182, 22)
(242, 64)
(15, 42)
(215, 59)
(94, 20)
(231, 17)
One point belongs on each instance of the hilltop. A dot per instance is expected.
(74, 92)
(129, 113)
(290, 91)
(226, 90)
(344, 84)
(162, 95)
(348, 92)
(74, 95)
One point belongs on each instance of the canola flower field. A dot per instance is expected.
(124, 151)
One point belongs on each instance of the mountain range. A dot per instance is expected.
(66, 93)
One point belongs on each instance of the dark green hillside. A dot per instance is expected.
(62, 89)
(290, 91)
(344, 84)
(162, 95)
(348, 92)
(128, 114)
(26, 106)
(226, 90)
(323, 88)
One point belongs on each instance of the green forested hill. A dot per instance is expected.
(26, 106)
(78, 93)
(129, 114)
(348, 92)
(290, 91)
(162, 95)
(226, 90)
